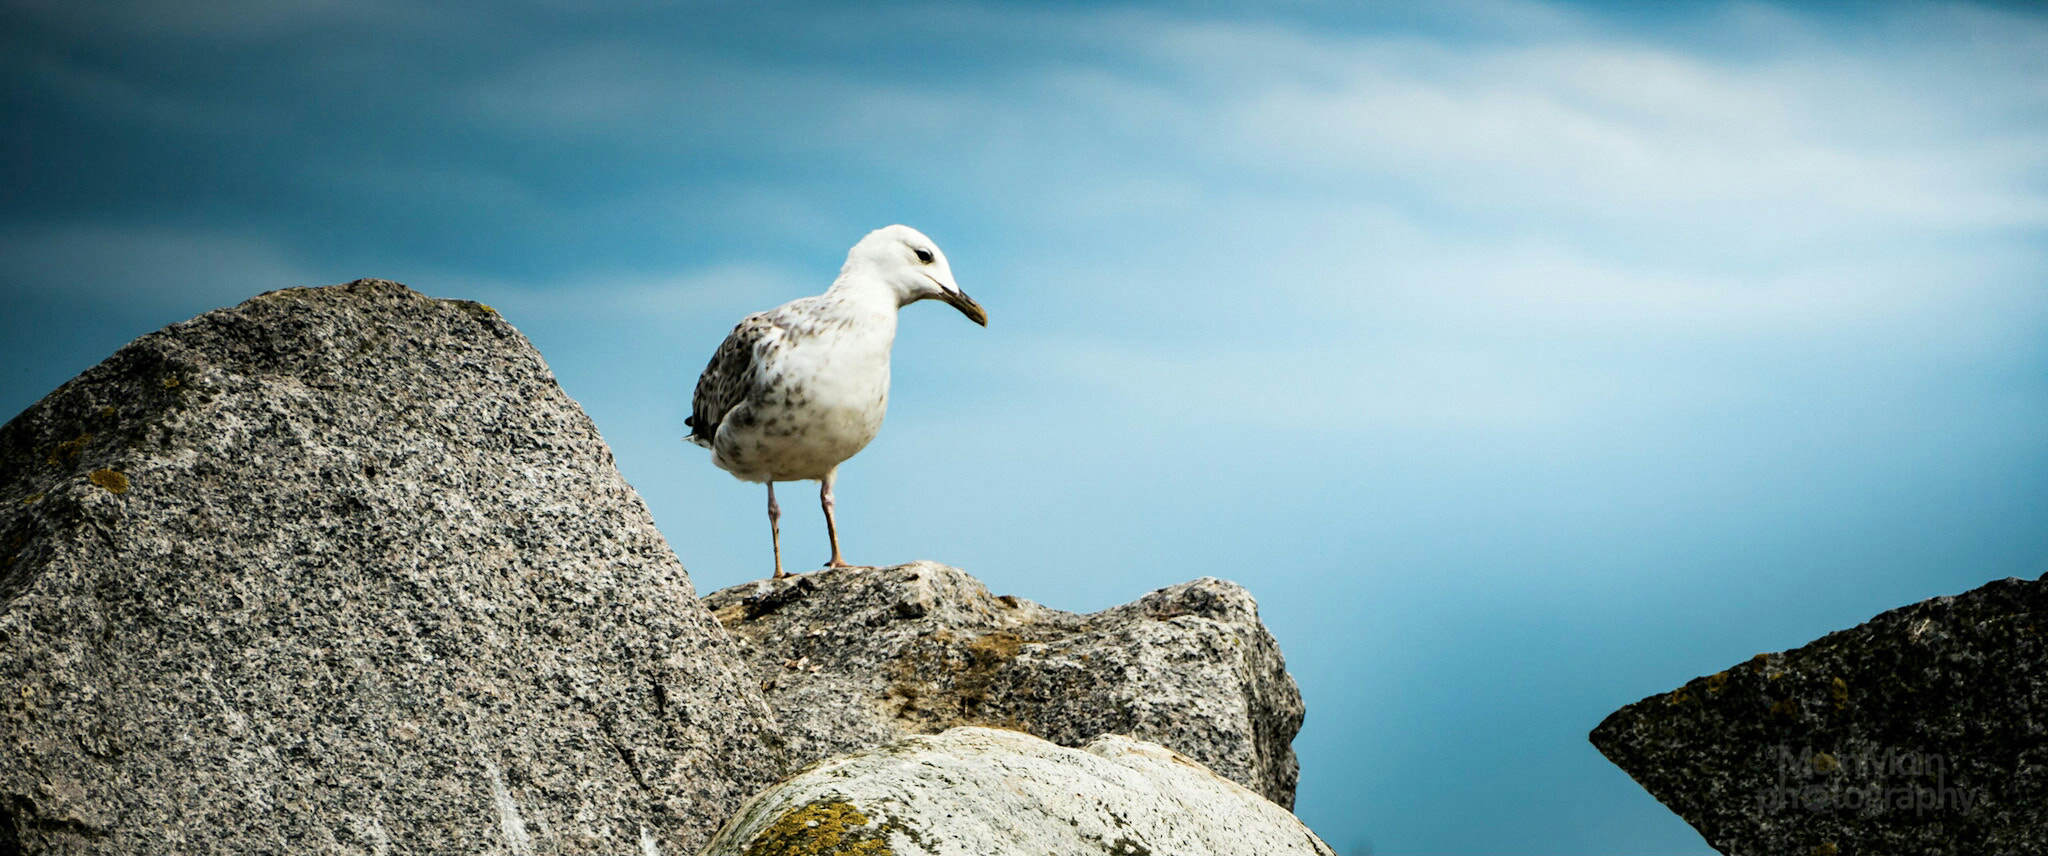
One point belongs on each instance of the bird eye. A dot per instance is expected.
(924, 255)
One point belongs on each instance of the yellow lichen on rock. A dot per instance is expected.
(68, 450)
(112, 480)
(820, 829)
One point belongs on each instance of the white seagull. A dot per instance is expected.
(798, 389)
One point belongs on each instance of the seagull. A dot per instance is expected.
(798, 389)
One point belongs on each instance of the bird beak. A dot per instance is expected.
(966, 305)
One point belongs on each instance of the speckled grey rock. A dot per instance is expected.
(343, 570)
(1921, 731)
(977, 791)
(854, 658)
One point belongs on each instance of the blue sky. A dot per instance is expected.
(1523, 358)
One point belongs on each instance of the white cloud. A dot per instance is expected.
(1609, 129)
(1812, 188)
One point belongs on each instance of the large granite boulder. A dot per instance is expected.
(974, 791)
(1922, 731)
(343, 570)
(857, 657)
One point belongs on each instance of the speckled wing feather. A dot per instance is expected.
(728, 378)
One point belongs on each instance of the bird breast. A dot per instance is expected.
(819, 400)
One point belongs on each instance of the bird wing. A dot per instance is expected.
(730, 376)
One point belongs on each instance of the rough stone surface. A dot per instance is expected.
(857, 657)
(343, 570)
(972, 791)
(1924, 730)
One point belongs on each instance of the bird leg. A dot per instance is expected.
(831, 527)
(775, 529)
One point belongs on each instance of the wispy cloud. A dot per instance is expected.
(719, 292)
(1798, 134)
(1684, 162)
(1435, 184)
(149, 269)
(1290, 387)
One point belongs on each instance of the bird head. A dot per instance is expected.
(914, 268)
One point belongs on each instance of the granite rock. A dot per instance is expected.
(343, 570)
(1921, 731)
(971, 791)
(854, 658)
